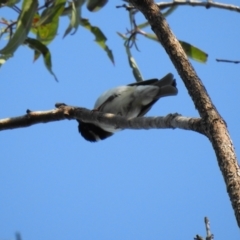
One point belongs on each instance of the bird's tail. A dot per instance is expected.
(167, 85)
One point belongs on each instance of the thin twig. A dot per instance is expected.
(207, 225)
(9, 27)
(16, 8)
(227, 61)
(192, 3)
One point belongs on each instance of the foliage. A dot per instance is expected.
(43, 22)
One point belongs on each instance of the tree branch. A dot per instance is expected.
(227, 61)
(214, 126)
(194, 3)
(209, 234)
(63, 112)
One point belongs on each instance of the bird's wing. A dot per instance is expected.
(146, 108)
(128, 101)
(147, 82)
(108, 97)
(106, 102)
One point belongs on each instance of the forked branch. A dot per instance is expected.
(214, 126)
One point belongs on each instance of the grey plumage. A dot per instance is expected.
(130, 101)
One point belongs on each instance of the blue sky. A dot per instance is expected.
(155, 184)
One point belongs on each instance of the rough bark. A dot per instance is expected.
(71, 113)
(214, 125)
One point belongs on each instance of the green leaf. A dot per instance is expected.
(169, 11)
(68, 10)
(191, 51)
(100, 38)
(151, 36)
(8, 3)
(24, 23)
(143, 25)
(136, 72)
(75, 16)
(46, 33)
(3, 2)
(52, 12)
(124, 37)
(41, 49)
(194, 52)
(37, 54)
(47, 25)
(165, 14)
(95, 5)
(4, 58)
(36, 19)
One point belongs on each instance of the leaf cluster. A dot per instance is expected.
(43, 22)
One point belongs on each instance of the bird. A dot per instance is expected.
(129, 101)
